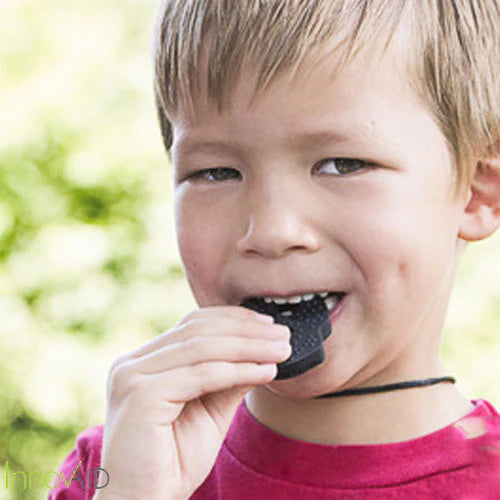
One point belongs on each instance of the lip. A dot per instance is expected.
(339, 307)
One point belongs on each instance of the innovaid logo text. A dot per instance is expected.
(92, 479)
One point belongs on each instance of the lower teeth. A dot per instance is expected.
(331, 301)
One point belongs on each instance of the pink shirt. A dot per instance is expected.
(256, 462)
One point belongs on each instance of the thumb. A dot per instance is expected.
(223, 404)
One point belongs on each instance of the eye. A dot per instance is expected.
(214, 174)
(340, 166)
(343, 166)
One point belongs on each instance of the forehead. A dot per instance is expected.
(319, 101)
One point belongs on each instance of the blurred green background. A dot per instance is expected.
(89, 267)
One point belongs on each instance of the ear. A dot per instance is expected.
(481, 216)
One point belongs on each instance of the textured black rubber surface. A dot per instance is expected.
(310, 326)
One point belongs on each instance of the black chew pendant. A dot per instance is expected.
(310, 326)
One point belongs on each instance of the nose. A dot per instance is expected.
(276, 223)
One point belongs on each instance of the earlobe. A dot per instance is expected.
(481, 216)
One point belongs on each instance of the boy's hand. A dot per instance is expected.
(170, 402)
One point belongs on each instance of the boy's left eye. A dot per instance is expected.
(342, 166)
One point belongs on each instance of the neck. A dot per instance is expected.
(360, 419)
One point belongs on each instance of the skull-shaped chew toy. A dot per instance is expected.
(310, 326)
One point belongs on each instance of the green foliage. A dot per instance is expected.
(88, 260)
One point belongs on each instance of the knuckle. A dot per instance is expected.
(118, 361)
(206, 376)
(188, 317)
(138, 386)
(204, 371)
(194, 346)
(185, 330)
(120, 380)
(116, 365)
(139, 392)
(182, 333)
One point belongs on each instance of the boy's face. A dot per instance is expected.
(279, 218)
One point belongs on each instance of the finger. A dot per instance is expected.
(185, 383)
(201, 349)
(231, 311)
(209, 326)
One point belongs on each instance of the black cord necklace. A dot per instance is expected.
(388, 387)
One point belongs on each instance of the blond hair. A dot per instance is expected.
(452, 51)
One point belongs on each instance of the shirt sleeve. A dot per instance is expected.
(80, 472)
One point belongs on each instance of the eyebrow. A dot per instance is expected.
(296, 141)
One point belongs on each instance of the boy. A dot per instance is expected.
(342, 147)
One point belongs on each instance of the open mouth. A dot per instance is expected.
(331, 299)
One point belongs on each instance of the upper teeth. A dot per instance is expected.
(294, 299)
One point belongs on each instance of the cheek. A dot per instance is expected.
(192, 236)
(392, 240)
(196, 246)
(404, 249)
(200, 244)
